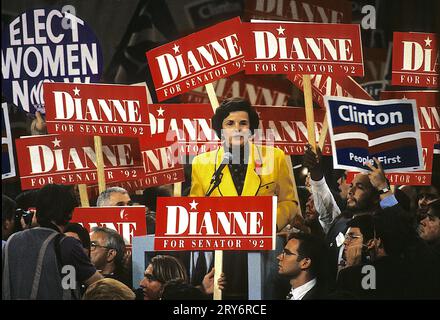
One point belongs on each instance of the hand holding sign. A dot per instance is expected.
(208, 282)
(38, 125)
(353, 255)
(361, 129)
(377, 175)
(312, 161)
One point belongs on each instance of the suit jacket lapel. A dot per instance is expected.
(252, 180)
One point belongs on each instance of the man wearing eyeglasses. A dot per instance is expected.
(107, 251)
(374, 268)
(303, 263)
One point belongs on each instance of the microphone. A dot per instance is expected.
(217, 176)
(227, 157)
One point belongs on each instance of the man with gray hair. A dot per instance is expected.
(114, 196)
(107, 253)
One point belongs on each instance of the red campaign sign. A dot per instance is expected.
(215, 223)
(268, 90)
(336, 11)
(428, 112)
(326, 85)
(286, 128)
(428, 106)
(187, 127)
(161, 167)
(129, 222)
(302, 48)
(161, 162)
(197, 59)
(95, 109)
(68, 160)
(415, 59)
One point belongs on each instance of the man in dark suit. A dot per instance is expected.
(374, 267)
(303, 262)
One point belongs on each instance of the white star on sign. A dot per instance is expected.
(428, 42)
(176, 48)
(76, 91)
(193, 205)
(160, 111)
(280, 30)
(56, 142)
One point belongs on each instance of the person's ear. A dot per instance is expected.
(305, 263)
(111, 255)
(372, 243)
(379, 243)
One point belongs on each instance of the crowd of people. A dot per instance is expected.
(365, 240)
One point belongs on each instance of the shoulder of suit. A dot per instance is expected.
(205, 157)
(269, 149)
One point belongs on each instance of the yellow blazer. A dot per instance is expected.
(267, 175)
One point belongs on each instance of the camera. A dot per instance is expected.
(26, 215)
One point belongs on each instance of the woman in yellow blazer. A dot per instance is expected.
(265, 170)
(248, 170)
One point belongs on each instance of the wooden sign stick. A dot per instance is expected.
(99, 163)
(310, 118)
(82, 188)
(177, 189)
(218, 254)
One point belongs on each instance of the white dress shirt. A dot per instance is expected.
(300, 292)
(325, 203)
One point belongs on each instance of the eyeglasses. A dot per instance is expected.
(286, 252)
(93, 246)
(351, 236)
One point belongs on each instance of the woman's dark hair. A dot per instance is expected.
(55, 203)
(232, 105)
(82, 233)
(166, 268)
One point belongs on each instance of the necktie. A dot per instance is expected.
(199, 271)
(290, 295)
